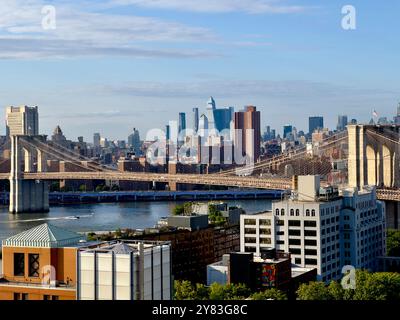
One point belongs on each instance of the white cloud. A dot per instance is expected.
(83, 33)
(217, 6)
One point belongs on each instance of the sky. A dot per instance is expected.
(110, 66)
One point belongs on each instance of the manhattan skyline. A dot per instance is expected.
(113, 65)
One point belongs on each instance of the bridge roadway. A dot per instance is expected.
(204, 179)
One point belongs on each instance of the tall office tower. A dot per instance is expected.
(342, 123)
(134, 141)
(223, 118)
(248, 132)
(315, 123)
(397, 117)
(203, 125)
(195, 119)
(287, 130)
(96, 140)
(167, 132)
(321, 227)
(22, 121)
(211, 106)
(182, 122)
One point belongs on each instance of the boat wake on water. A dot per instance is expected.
(50, 219)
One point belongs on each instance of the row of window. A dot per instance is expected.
(25, 296)
(292, 212)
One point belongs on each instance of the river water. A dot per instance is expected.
(104, 216)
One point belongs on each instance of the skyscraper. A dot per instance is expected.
(342, 123)
(248, 131)
(287, 129)
(22, 121)
(222, 118)
(315, 123)
(182, 122)
(211, 106)
(96, 140)
(196, 119)
(397, 117)
(167, 132)
(134, 141)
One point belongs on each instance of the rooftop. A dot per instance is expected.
(123, 246)
(44, 236)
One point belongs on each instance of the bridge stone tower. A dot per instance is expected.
(26, 195)
(374, 155)
(374, 159)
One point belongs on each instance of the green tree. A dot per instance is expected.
(184, 290)
(313, 291)
(377, 286)
(336, 291)
(269, 294)
(82, 188)
(228, 292)
(202, 292)
(393, 243)
(99, 188)
(178, 210)
(215, 216)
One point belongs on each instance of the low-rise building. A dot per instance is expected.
(50, 263)
(273, 269)
(125, 270)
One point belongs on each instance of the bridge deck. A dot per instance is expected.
(206, 179)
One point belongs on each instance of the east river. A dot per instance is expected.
(104, 216)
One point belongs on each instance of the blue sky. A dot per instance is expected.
(113, 65)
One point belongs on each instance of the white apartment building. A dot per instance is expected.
(311, 226)
(128, 270)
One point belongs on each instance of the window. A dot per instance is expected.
(294, 232)
(282, 212)
(294, 223)
(310, 252)
(297, 260)
(313, 213)
(24, 296)
(250, 240)
(19, 264)
(280, 222)
(265, 222)
(292, 212)
(46, 297)
(280, 242)
(250, 230)
(265, 241)
(277, 212)
(54, 298)
(280, 233)
(265, 231)
(250, 221)
(310, 242)
(250, 249)
(312, 262)
(307, 212)
(295, 241)
(297, 212)
(33, 265)
(310, 223)
(295, 250)
(310, 233)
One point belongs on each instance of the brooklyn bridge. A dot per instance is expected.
(371, 157)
